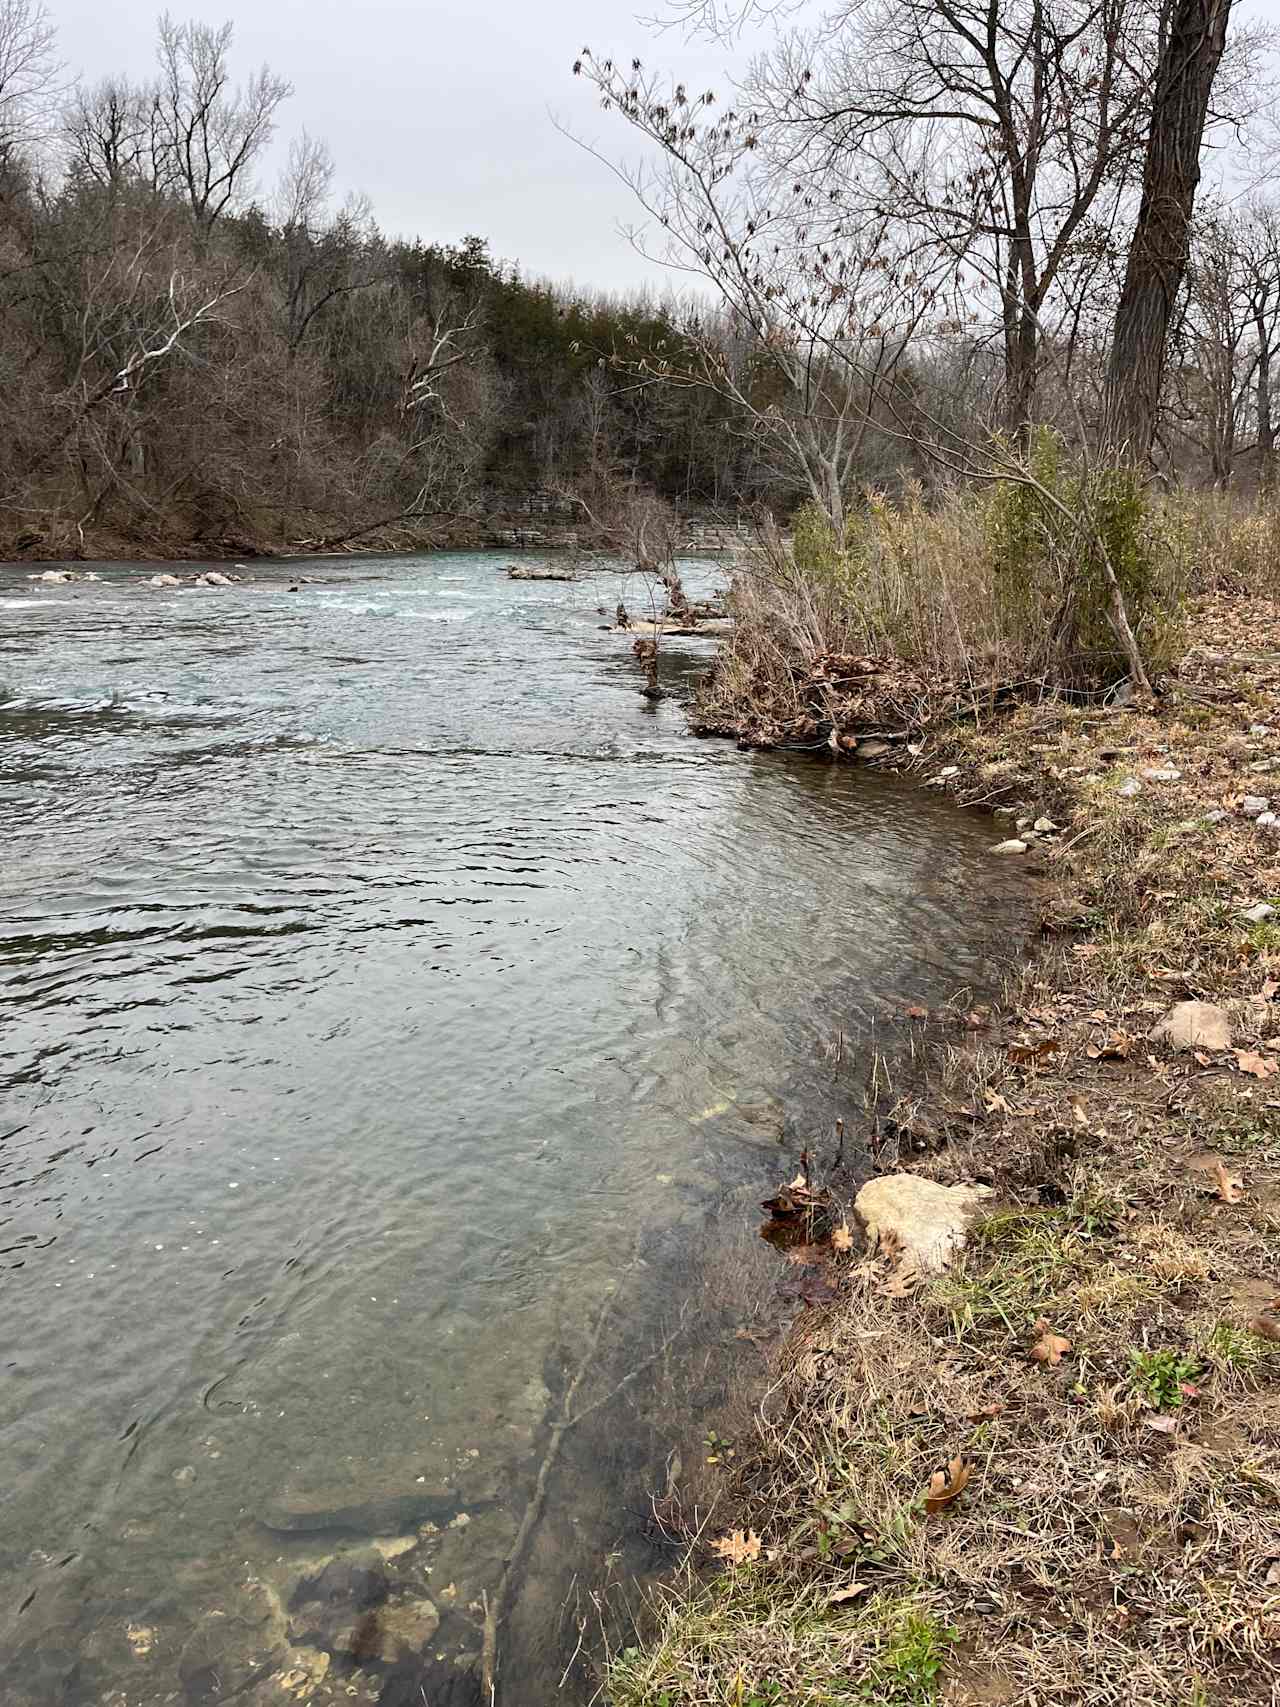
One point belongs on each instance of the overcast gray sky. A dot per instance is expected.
(438, 109)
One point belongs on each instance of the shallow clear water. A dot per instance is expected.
(396, 1009)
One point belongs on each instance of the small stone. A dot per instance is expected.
(927, 1222)
(1005, 812)
(1045, 826)
(306, 1669)
(1254, 805)
(185, 1476)
(1216, 816)
(394, 1546)
(1162, 775)
(1013, 846)
(1260, 729)
(1193, 1025)
(1129, 787)
(1270, 823)
(1260, 913)
(873, 749)
(141, 1638)
(948, 771)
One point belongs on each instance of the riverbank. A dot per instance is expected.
(62, 543)
(1052, 1473)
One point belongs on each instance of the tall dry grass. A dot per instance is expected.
(982, 587)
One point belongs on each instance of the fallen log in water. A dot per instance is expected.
(538, 572)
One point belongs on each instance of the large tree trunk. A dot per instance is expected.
(1157, 259)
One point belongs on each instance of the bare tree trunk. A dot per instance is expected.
(1266, 424)
(1158, 251)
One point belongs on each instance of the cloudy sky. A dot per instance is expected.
(441, 110)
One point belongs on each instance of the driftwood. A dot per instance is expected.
(539, 572)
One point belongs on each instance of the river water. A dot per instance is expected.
(399, 1019)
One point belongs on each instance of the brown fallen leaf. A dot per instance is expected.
(1273, 1573)
(1260, 1066)
(1229, 1190)
(1266, 1326)
(1025, 1052)
(842, 1595)
(806, 1256)
(947, 1484)
(1161, 1424)
(1049, 1348)
(1117, 1047)
(915, 1012)
(900, 1282)
(738, 1548)
(986, 1413)
(842, 1238)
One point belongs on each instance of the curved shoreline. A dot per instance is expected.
(1051, 1470)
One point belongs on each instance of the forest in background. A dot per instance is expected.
(193, 359)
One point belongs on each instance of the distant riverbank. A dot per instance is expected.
(515, 530)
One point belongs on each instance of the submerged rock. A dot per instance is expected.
(1013, 846)
(164, 581)
(927, 1223)
(343, 1584)
(388, 1633)
(1193, 1025)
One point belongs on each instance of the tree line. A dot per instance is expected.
(918, 230)
(188, 357)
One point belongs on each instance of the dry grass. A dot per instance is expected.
(941, 604)
(1119, 1539)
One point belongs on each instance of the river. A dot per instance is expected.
(401, 1018)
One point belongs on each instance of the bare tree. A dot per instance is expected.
(1157, 260)
(106, 130)
(29, 72)
(211, 133)
(1216, 356)
(814, 325)
(999, 136)
(1262, 251)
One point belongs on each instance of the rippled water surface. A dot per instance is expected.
(395, 1011)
